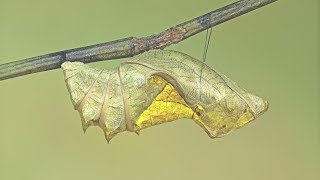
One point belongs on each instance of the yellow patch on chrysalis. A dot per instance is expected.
(244, 119)
(167, 106)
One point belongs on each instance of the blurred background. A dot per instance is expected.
(273, 52)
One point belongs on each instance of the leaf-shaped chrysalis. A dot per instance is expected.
(157, 87)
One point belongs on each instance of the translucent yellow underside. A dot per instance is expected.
(167, 106)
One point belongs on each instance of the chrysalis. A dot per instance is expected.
(157, 87)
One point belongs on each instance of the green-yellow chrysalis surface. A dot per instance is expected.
(157, 87)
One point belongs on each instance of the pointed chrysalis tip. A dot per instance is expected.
(84, 128)
(108, 137)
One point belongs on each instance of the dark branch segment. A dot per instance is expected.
(131, 46)
(109, 50)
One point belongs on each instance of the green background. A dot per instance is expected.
(273, 51)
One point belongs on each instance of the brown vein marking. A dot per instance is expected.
(78, 69)
(80, 104)
(102, 117)
(66, 79)
(125, 104)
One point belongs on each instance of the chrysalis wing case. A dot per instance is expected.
(157, 87)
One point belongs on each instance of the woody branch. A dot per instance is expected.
(131, 46)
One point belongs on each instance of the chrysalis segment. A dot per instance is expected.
(138, 92)
(167, 106)
(183, 72)
(97, 95)
(91, 105)
(112, 118)
(79, 81)
(225, 106)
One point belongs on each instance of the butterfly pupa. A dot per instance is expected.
(157, 87)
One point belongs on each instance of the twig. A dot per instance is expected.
(131, 46)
